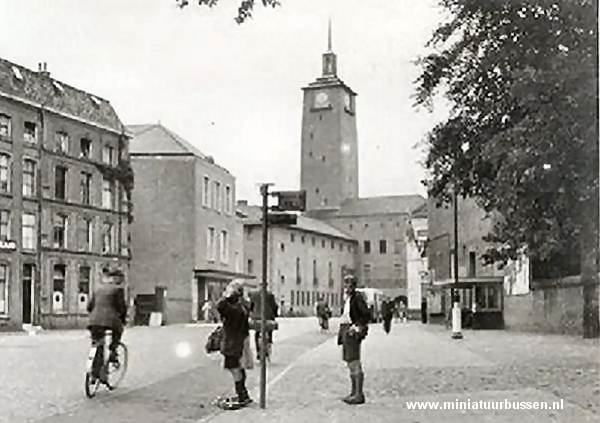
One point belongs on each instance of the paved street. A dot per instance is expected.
(43, 377)
(422, 363)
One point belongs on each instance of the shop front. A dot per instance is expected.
(210, 284)
(480, 299)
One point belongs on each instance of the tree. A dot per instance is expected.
(244, 10)
(522, 79)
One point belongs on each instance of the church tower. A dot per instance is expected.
(329, 162)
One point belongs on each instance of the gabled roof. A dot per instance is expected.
(38, 88)
(380, 205)
(420, 212)
(304, 223)
(156, 139)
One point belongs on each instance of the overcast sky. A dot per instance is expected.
(235, 91)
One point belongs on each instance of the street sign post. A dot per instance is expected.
(290, 200)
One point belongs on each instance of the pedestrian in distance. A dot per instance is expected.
(387, 313)
(323, 313)
(354, 327)
(235, 346)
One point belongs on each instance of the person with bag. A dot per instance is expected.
(354, 326)
(235, 343)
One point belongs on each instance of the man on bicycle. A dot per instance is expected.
(108, 310)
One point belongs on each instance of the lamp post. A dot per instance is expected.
(456, 311)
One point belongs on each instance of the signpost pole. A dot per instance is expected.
(264, 190)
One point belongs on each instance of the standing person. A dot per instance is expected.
(234, 314)
(323, 314)
(353, 329)
(387, 313)
(108, 310)
(271, 311)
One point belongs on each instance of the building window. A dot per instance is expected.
(28, 178)
(367, 247)
(282, 279)
(383, 246)
(58, 287)
(4, 281)
(217, 194)
(84, 235)
(83, 288)
(332, 245)
(323, 159)
(298, 272)
(315, 277)
(397, 246)
(108, 153)
(302, 239)
(224, 247)
(472, 264)
(4, 225)
(282, 247)
(292, 237)
(60, 182)
(107, 193)
(350, 226)
(323, 243)
(107, 238)
(28, 235)
(4, 126)
(29, 132)
(313, 241)
(250, 267)
(206, 192)
(59, 231)
(398, 267)
(61, 142)
(291, 299)
(4, 172)
(228, 202)
(341, 247)
(85, 148)
(85, 186)
(210, 244)
(330, 274)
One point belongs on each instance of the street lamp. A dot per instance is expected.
(456, 311)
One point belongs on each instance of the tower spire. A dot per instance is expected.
(329, 36)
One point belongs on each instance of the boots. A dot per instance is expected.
(241, 391)
(359, 397)
(353, 393)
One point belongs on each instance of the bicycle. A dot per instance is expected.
(100, 370)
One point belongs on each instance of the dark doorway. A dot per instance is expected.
(27, 291)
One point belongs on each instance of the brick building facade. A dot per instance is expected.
(65, 182)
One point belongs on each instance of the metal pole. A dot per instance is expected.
(456, 318)
(264, 190)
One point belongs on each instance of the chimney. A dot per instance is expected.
(43, 69)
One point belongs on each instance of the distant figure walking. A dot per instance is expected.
(387, 313)
(323, 313)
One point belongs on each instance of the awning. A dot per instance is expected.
(224, 275)
(468, 282)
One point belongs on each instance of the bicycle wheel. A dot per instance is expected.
(116, 371)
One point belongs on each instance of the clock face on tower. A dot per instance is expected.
(321, 100)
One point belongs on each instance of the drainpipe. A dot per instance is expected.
(37, 312)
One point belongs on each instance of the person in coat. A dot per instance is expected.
(387, 313)
(234, 314)
(355, 317)
(108, 310)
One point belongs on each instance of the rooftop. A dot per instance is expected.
(39, 89)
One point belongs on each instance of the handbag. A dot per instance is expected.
(215, 338)
(342, 331)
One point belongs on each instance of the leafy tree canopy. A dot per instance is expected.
(521, 77)
(244, 10)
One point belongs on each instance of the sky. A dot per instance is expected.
(234, 91)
